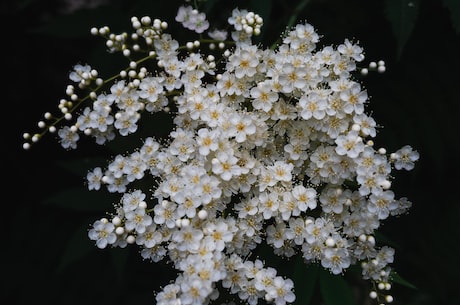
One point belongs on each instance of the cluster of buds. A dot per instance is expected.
(269, 146)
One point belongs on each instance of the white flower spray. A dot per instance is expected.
(269, 145)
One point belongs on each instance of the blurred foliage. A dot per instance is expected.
(51, 260)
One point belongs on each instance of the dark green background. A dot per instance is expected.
(416, 101)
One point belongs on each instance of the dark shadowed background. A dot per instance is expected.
(47, 257)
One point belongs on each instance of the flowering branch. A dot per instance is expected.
(269, 146)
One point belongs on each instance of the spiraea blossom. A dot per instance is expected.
(269, 145)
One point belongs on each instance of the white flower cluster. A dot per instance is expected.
(269, 146)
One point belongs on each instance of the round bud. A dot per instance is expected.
(373, 294)
(371, 239)
(382, 151)
(185, 222)
(196, 43)
(130, 239)
(143, 205)
(116, 220)
(386, 184)
(372, 65)
(87, 131)
(381, 69)
(123, 74)
(249, 30)
(203, 214)
(146, 20)
(119, 230)
(362, 238)
(189, 45)
(94, 31)
(68, 116)
(178, 223)
(26, 146)
(136, 25)
(364, 71)
(126, 52)
(330, 242)
(164, 25)
(132, 73)
(41, 124)
(388, 298)
(381, 286)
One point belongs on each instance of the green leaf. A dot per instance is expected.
(79, 199)
(80, 167)
(334, 289)
(78, 24)
(305, 278)
(402, 15)
(399, 280)
(454, 9)
(78, 246)
(119, 258)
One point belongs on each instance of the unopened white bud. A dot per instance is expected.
(130, 239)
(116, 220)
(386, 184)
(119, 230)
(203, 214)
(185, 222)
(373, 294)
(388, 298)
(371, 239)
(330, 242)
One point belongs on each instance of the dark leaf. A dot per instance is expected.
(399, 280)
(79, 199)
(454, 8)
(402, 15)
(78, 246)
(334, 289)
(305, 278)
